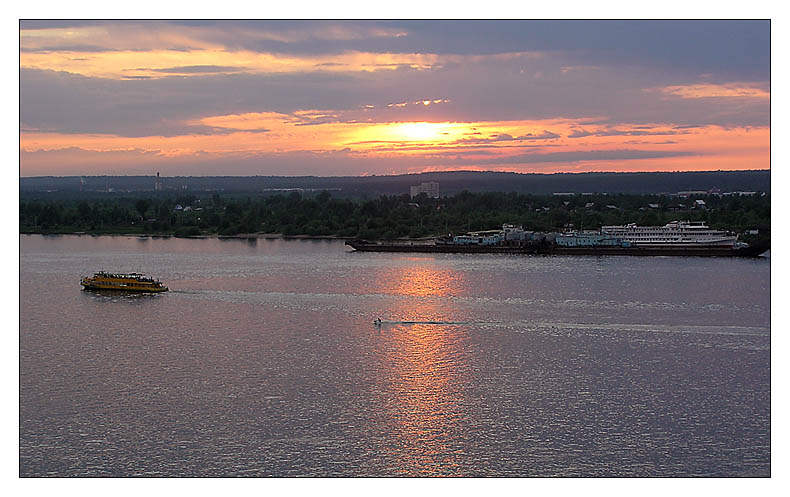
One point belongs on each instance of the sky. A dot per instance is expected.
(337, 98)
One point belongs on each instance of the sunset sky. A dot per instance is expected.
(337, 98)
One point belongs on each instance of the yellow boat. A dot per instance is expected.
(127, 282)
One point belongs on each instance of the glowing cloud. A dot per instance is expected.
(326, 96)
(729, 90)
(159, 63)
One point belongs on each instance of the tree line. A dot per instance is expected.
(452, 182)
(385, 217)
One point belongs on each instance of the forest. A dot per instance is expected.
(451, 183)
(385, 217)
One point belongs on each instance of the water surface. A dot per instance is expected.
(263, 360)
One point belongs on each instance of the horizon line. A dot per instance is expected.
(395, 175)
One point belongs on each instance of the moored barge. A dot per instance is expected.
(553, 249)
(676, 238)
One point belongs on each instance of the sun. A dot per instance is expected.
(404, 135)
(419, 131)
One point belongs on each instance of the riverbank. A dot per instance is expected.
(239, 236)
(427, 244)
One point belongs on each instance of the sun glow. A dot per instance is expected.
(419, 131)
(502, 145)
(424, 133)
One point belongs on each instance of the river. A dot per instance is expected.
(263, 360)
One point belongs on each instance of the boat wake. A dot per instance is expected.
(553, 327)
(381, 322)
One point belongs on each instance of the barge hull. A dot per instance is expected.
(751, 251)
(440, 249)
(128, 289)
(668, 251)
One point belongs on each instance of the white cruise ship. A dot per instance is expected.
(674, 234)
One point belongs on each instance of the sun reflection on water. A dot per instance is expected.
(426, 373)
(423, 280)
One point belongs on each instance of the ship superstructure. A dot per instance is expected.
(683, 238)
(128, 282)
(674, 234)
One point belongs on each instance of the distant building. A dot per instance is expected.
(158, 184)
(689, 193)
(430, 188)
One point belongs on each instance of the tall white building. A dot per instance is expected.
(430, 188)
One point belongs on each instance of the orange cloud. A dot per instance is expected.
(161, 63)
(545, 146)
(129, 50)
(129, 35)
(728, 90)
